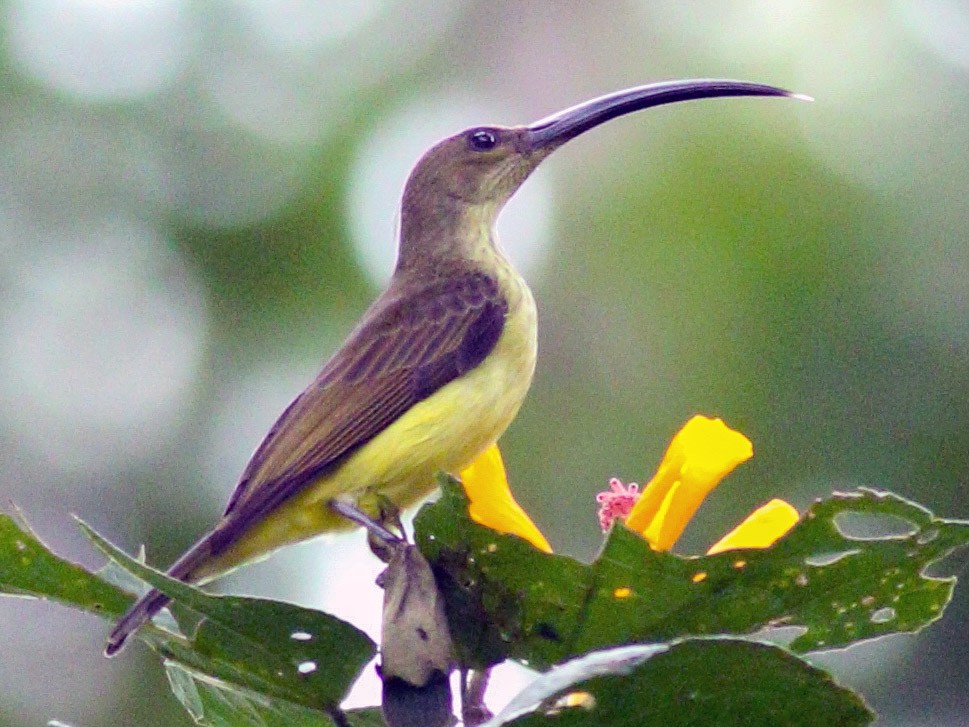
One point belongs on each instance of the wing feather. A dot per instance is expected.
(405, 350)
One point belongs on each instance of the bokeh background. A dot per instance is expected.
(197, 200)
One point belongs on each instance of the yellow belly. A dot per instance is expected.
(445, 432)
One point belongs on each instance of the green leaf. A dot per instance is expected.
(297, 662)
(546, 691)
(693, 682)
(506, 599)
(213, 703)
(278, 649)
(28, 568)
(845, 586)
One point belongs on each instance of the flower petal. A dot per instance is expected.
(761, 529)
(701, 454)
(492, 503)
(666, 526)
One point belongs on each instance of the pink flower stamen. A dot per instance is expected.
(617, 502)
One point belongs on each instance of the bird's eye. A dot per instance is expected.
(483, 140)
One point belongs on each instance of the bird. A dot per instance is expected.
(436, 369)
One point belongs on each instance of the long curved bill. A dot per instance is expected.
(553, 131)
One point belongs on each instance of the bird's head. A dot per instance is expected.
(462, 182)
(481, 166)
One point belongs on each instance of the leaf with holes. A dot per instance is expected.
(251, 661)
(277, 649)
(507, 599)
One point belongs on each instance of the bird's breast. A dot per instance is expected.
(446, 431)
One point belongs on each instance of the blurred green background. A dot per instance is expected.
(197, 201)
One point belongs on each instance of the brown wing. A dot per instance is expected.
(403, 351)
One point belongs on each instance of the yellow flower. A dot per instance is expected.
(761, 529)
(492, 503)
(701, 454)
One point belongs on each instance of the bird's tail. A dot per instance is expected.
(187, 568)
